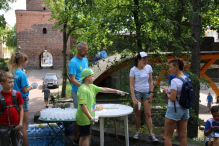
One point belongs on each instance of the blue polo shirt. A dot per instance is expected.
(210, 98)
(75, 67)
(173, 76)
(211, 122)
(20, 80)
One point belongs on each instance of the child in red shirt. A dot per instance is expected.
(10, 121)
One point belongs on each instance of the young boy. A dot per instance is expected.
(46, 95)
(85, 115)
(210, 101)
(10, 120)
(212, 128)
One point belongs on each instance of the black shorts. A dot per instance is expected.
(45, 99)
(84, 130)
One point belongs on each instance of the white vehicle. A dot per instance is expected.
(51, 80)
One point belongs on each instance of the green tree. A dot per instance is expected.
(4, 5)
(72, 18)
(11, 38)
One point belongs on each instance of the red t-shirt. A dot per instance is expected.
(13, 114)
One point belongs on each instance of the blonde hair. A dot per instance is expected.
(5, 75)
(14, 61)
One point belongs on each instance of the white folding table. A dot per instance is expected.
(123, 110)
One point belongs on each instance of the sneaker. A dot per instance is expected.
(76, 142)
(136, 136)
(152, 137)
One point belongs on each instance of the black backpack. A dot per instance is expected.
(3, 103)
(187, 96)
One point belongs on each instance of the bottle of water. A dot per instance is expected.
(46, 135)
(34, 135)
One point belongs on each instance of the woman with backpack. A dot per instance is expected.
(16, 63)
(176, 115)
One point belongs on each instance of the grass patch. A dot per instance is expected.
(68, 90)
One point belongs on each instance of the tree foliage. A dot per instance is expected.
(72, 18)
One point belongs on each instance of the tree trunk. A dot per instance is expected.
(138, 25)
(192, 129)
(64, 71)
(177, 33)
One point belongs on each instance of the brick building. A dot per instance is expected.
(35, 35)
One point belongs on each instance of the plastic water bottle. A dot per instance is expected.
(46, 136)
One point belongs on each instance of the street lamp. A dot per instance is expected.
(19, 49)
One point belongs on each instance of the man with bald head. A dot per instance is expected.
(75, 66)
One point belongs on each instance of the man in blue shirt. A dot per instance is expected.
(212, 128)
(75, 66)
(210, 101)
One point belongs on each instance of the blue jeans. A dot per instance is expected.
(26, 106)
(75, 98)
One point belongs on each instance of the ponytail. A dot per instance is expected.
(136, 62)
(14, 61)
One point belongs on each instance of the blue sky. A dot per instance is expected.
(10, 15)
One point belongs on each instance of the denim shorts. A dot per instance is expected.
(142, 95)
(180, 114)
(26, 106)
(75, 98)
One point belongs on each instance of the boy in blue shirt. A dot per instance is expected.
(210, 101)
(212, 128)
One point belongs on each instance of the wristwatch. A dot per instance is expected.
(151, 91)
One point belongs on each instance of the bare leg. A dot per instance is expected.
(147, 112)
(46, 102)
(216, 142)
(168, 131)
(182, 127)
(84, 141)
(24, 130)
(137, 117)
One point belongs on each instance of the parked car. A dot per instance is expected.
(51, 80)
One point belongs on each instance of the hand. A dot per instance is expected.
(34, 85)
(18, 129)
(135, 101)
(214, 127)
(94, 120)
(164, 90)
(122, 93)
(150, 98)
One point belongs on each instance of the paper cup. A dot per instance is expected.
(139, 105)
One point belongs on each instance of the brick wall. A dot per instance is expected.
(33, 42)
(35, 5)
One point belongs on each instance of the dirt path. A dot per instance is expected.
(36, 96)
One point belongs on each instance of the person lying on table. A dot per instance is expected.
(85, 115)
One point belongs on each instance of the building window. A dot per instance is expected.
(44, 8)
(44, 31)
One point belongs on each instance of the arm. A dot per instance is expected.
(84, 108)
(172, 95)
(108, 90)
(74, 81)
(208, 132)
(151, 87)
(25, 89)
(132, 80)
(21, 119)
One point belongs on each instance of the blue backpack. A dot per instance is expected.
(187, 96)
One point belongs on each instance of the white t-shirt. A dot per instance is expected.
(141, 83)
(176, 84)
